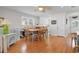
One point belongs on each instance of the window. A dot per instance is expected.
(24, 21)
(30, 22)
(75, 24)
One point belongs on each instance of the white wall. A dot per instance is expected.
(14, 17)
(67, 26)
(59, 28)
(70, 19)
(44, 20)
(61, 24)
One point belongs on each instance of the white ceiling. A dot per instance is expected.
(50, 9)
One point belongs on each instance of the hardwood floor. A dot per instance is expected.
(54, 44)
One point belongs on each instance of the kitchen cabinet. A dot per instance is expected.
(8, 40)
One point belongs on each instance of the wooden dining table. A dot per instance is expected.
(33, 30)
(38, 31)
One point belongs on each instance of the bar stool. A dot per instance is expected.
(73, 37)
(76, 48)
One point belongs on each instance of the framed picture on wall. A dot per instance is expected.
(53, 22)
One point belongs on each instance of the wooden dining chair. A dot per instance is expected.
(35, 36)
(45, 33)
(32, 35)
(41, 34)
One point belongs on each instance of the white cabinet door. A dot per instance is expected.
(8, 40)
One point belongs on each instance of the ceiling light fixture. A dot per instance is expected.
(40, 9)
